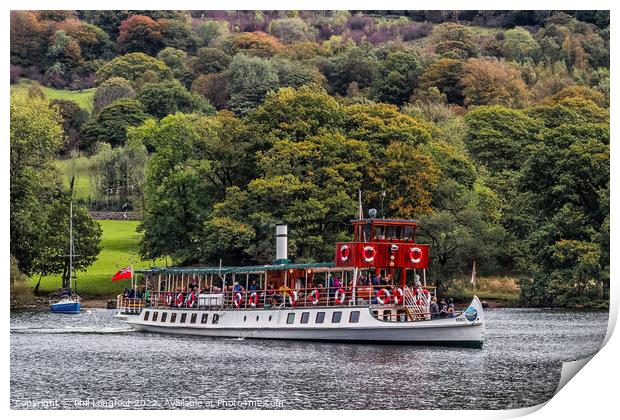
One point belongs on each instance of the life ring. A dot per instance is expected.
(238, 299)
(398, 296)
(191, 299)
(315, 297)
(415, 255)
(345, 252)
(384, 296)
(169, 299)
(369, 254)
(179, 300)
(293, 297)
(340, 296)
(253, 299)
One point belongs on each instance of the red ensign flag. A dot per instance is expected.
(125, 273)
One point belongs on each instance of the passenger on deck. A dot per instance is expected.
(253, 287)
(443, 308)
(451, 310)
(434, 308)
(237, 287)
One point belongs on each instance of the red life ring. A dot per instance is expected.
(179, 301)
(384, 297)
(398, 296)
(293, 297)
(415, 255)
(369, 254)
(238, 299)
(345, 252)
(191, 299)
(253, 299)
(340, 296)
(315, 297)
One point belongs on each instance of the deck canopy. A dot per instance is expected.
(234, 270)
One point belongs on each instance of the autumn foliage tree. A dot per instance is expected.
(492, 82)
(139, 34)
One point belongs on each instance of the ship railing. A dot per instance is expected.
(129, 305)
(417, 303)
(365, 295)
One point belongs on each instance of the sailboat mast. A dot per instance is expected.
(71, 246)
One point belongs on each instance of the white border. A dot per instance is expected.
(592, 394)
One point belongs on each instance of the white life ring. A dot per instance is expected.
(253, 299)
(412, 255)
(369, 254)
(345, 252)
(384, 296)
(315, 297)
(293, 297)
(340, 296)
(238, 299)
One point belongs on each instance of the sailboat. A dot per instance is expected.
(70, 301)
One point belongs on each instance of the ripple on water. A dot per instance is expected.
(92, 355)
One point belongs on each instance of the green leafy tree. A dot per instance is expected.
(357, 65)
(519, 44)
(170, 97)
(453, 40)
(133, 67)
(210, 60)
(110, 90)
(398, 74)
(445, 75)
(249, 80)
(110, 125)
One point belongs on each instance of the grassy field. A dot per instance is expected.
(84, 98)
(119, 249)
(487, 288)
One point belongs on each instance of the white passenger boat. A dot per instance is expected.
(371, 293)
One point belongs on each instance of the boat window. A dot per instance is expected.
(146, 315)
(392, 232)
(183, 318)
(366, 232)
(155, 315)
(402, 316)
(164, 316)
(245, 318)
(408, 235)
(320, 317)
(269, 318)
(173, 317)
(354, 317)
(379, 232)
(336, 316)
(387, 315)
(304, 317)
(291, 318)
(257, 318)
(215, 319)
(204, 318)
(192, 320)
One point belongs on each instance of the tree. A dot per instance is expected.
(499, 137)
(492, 82)
(354, 65)
(254, 44)
(28, 39)
(519, 44)
(444, 74)
(63, 54)
(398, 74)
(291, 30)
(110, 125)
(210, 60)
(211, 30)
(297, 113)
(139, 34)
(170, 97)
(134, 67)
(456, 41)
(94, 43)
(249, 80)
(582, 92)
(110, 90)
(177, 33)
(73, 117)
(38, 203)
(294, 74)
(214, 87)
(178, 62)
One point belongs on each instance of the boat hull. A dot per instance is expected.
(280, 324)
(65, 307)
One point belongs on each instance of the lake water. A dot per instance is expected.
(92, 360)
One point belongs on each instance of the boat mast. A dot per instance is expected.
(71, 245)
